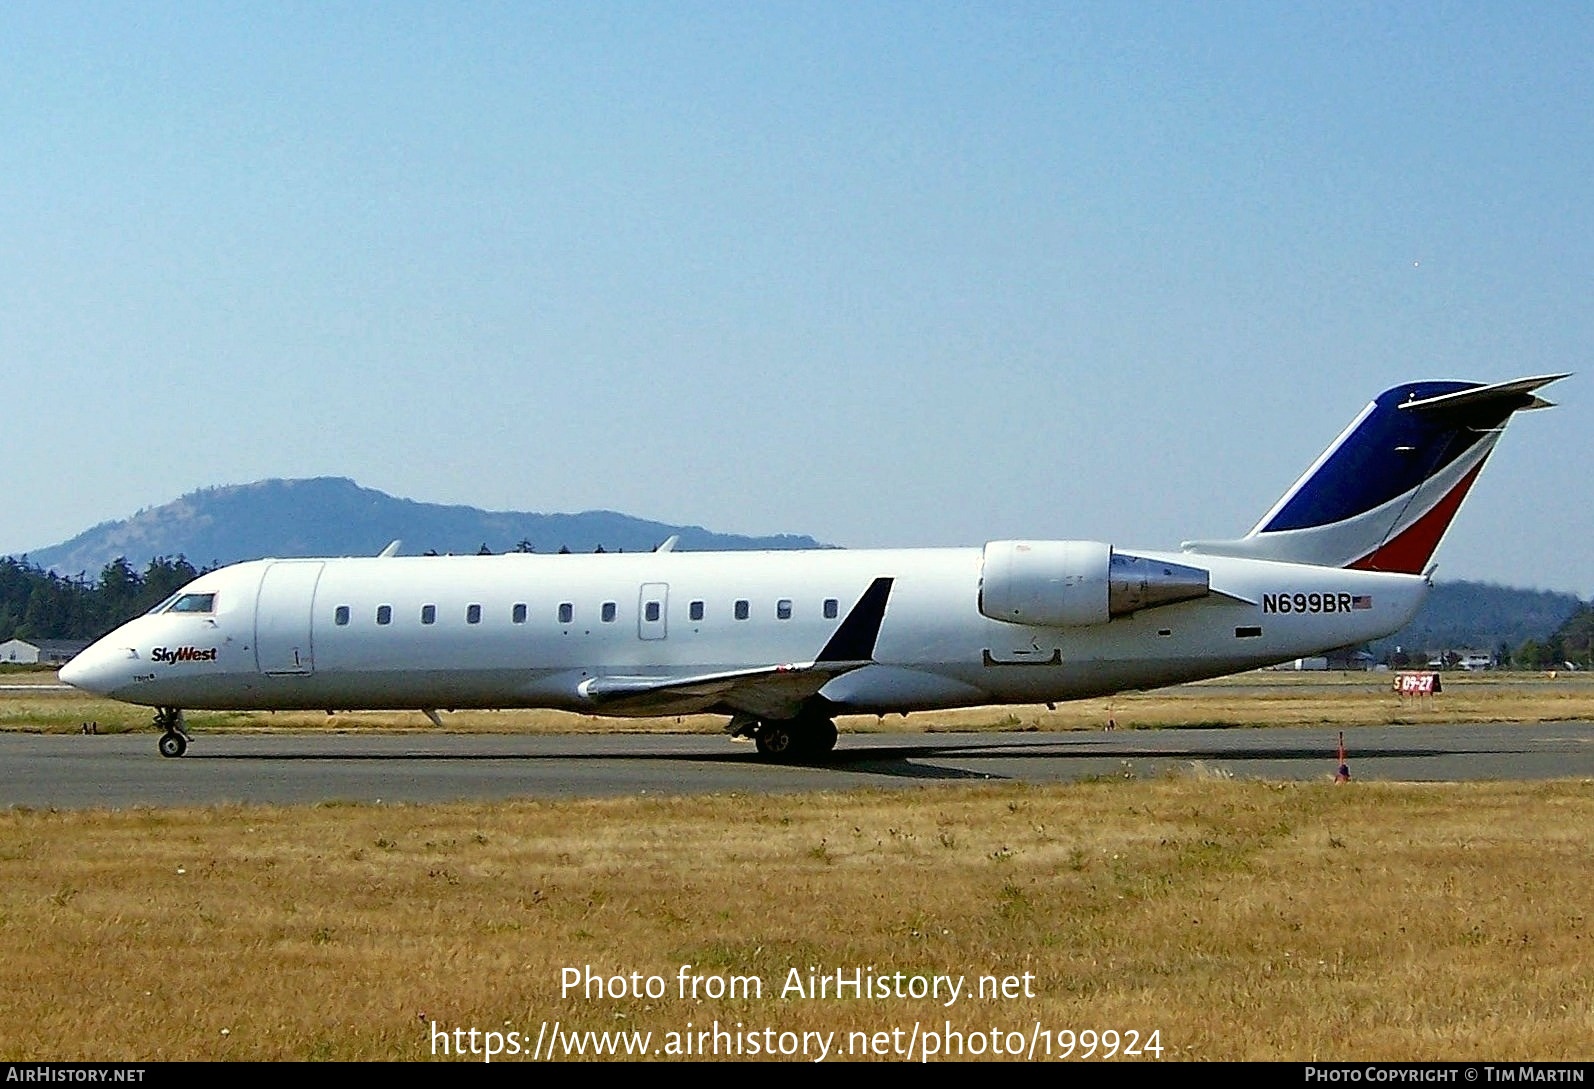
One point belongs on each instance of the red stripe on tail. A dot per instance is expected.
(1409, 551)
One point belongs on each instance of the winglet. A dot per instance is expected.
(854, 640)
(390, 550)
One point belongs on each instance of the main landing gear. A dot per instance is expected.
(789, 740)
(174, 736)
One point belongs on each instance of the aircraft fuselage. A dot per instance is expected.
(531, 631)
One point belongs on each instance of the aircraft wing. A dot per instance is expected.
(773, 691)
(769, 692)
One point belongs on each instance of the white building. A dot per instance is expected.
(40, 651)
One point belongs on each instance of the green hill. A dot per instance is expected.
(1482, 616)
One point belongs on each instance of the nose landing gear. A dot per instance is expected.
(174, 736)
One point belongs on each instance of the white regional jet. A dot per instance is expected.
(781, 642)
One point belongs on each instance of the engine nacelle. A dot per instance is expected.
(1068, 584)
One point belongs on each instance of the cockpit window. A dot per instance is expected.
(163, 606)
(193, 603)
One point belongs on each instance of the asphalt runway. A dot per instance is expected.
(75, 771)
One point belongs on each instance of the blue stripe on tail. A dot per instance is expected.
(1389, 454)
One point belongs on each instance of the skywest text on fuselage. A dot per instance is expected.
(183, 654)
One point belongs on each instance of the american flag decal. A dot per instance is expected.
(1361, 601)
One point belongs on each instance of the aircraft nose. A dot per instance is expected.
(97, 670)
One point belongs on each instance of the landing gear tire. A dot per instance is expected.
(822, 740)
(796, 739)
(776, 741)
(174, 739)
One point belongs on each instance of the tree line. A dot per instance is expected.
(39, 604)
(1572, 644)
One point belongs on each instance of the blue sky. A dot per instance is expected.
(885, 274)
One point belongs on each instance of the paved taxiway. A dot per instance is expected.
(76, 771)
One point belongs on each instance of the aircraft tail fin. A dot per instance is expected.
(1382, 495)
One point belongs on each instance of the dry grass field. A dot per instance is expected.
(1238, 920)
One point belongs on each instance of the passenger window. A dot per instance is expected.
(518, 614)
(608, 612)
(741, 609)
(384, 614)
(340, 615)
(567, 613)
(428, 614)
(193, 603)
(653, 612)
(473, 614)
(783, 609)
(696, 610)
(831, 608)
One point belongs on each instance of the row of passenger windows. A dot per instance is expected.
(608, 612)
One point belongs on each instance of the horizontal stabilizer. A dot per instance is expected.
(1514, 396)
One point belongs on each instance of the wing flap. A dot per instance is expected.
(768, 692)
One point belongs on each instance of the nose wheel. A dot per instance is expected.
(174, 738)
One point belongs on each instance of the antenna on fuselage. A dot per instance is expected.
(669, 543)
(390, 550)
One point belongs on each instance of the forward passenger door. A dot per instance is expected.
(283, 612)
